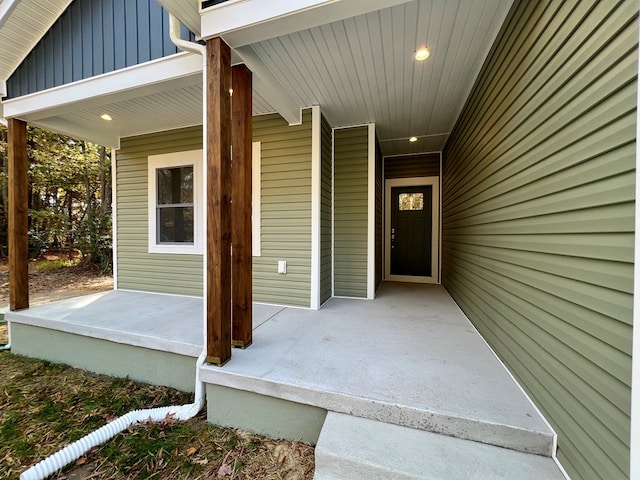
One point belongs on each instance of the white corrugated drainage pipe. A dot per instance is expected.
(77, 449)
(7, 346)
(184, 412)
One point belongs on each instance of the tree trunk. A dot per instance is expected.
(105, 181)
(70, 224)
(89, 209)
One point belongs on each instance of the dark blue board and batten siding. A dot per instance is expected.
(93, 37)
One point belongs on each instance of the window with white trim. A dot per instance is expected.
(175, 202)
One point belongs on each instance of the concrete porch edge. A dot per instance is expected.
(501, 435)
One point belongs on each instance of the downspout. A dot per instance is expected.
(3, 93)
(78, 448)
(6, 346)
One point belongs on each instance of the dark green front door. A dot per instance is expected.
(411, 231)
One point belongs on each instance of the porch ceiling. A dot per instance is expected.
(358, 69)
(361, 69)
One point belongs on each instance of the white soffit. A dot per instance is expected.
(167, 109)
(362, 69)
(154, 96)
(124, 83)
(23, 23)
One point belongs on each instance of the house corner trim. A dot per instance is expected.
(371, 214)
(634, 450)
(316, 176)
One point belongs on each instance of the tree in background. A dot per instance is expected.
(69, 197)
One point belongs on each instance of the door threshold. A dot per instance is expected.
(410, 279)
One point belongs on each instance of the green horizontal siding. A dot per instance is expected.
(351, 200)
(286, 211)
(285, 222)
(326, 193)
(538, 217)
(427, 165)
(138, 269)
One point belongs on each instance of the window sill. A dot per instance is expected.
(176, 249)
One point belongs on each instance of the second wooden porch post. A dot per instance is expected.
(219, 202)
(18, 215)
(241, 133)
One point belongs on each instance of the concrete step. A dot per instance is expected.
(356, 448)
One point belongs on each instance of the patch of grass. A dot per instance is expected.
(44, 407)
(46, 265)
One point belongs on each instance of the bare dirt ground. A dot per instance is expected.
(51, 279)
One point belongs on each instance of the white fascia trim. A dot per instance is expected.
(269, 87)
(221, 19)
(635, 352)
(316, 176)
(250, 21)
(114, 217)
(371, 217)
(124, 82)
(400, 155)
(6, 6)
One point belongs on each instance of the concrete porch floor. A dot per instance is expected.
(408, 358)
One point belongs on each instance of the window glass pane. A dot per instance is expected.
(175, 185)
(411, 201)
(175, 224)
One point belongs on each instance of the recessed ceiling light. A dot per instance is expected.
(413, 139)
(422, 54)
(106, 117)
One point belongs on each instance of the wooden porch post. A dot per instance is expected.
(18, 215)
(241, 133)
(219, 202)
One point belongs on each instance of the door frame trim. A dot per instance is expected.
(434, 182)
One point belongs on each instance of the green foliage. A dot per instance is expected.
(37, 243)
(46, 265)
(69, 198)
(93, 239)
